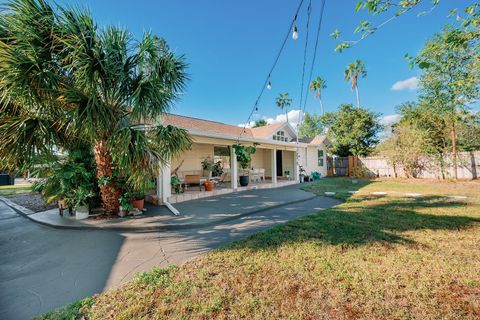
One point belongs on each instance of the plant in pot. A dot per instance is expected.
(244, 158)
(302, 174)
(79, 199)
(209, 185)
(207, 165)
(125, 205)
(176, 184)
(217, 169)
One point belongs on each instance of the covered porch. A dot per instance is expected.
(271, 166)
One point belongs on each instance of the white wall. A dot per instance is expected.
(193, 157)
(309, 160)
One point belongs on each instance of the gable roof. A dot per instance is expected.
(317, 140)
(203, 125)
(265, 131)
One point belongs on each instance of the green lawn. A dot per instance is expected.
(16, 189)
(368, 258)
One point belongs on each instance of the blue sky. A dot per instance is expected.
(230, 46)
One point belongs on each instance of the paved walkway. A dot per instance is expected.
(42, 268)
(193, 214)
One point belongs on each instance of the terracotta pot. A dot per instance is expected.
(209, 185)
(138, 204)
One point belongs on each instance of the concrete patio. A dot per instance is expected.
(195, 213)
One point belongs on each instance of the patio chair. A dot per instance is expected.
(192, 180)
(220, 180)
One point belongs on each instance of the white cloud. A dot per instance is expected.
(410, 84)
(293, 118)
(389, 119)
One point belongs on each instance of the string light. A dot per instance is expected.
(269, 85)
(295, 30)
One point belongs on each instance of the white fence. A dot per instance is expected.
(468, 167)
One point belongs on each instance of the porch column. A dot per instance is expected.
(296, 165)
(233, 169)
(274, 165)
(164, 190)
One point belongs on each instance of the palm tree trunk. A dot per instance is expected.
(286, 113)
(358, 97)
(109, 192)
(321, 104)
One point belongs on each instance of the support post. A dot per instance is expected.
(274, 165)
(296, 168)
(233, 169)
(164, 190)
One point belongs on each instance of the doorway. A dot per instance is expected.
(279, 163)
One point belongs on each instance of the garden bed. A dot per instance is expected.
(32, 201)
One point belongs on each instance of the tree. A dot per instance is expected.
(352, 131)
(407, 147)
(450, 78)
(260, 123)
(283, 102)
(310, 126)
(352, 72)
(63, 80)
(317, 86)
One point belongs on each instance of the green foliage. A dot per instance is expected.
(217, 169)
(311, 126)
(469, 132)
(67, 82)
(124, 201)
(407, 147)
(283, 102)
(243, 154)
(207, 164)
(176, 183)
(71, 178)
(352, 131)
(260, 123)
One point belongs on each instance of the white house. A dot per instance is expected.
(277, 158)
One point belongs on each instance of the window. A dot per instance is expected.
(280, 136)
(320, 158)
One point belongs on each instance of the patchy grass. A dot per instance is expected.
(16, 189)
(368, 258)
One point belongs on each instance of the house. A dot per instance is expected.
(278, 156)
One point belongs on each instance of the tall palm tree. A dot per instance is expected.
(352, 72)
(63, 81)
(283, 102)
(318, 85)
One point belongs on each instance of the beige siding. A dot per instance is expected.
(288, 162)
(309, 160)
(193, 157)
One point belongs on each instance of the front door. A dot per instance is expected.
(279, 163)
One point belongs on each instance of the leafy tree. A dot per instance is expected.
(310, 126)
(317, 86)
(352, 72)
(469, 132)
(65, 81)
(260, 123)
(407, 147)
(450, 79)
(283, 102)
(352, 131)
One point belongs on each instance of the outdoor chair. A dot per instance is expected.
(220, 180)
(192, 180)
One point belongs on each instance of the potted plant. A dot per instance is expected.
(78, 200)
(176, 184)
(138, 200)
(287, 174)
(125, 205)
(207, 164)
(302, 174)
(209, 185)
(217, 169)
(244, 158)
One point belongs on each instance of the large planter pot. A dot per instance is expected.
(138, 203)
(244, 180)
(81, 212)
(302, 178)
(209, 185)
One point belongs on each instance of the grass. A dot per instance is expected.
(15, 189)
(368, 258)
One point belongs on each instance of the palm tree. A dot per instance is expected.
(352, 72)
(64, 82)
(318, 85)
(283, 102)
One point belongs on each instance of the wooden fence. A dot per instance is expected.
(468, 167)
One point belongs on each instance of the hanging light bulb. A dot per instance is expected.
(295, 33)
(269, 85)
(256, 108)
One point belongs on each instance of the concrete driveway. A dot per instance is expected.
(42, 268)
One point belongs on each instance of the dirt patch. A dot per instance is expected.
(32, 201)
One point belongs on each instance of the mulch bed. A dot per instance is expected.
(32, 201)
